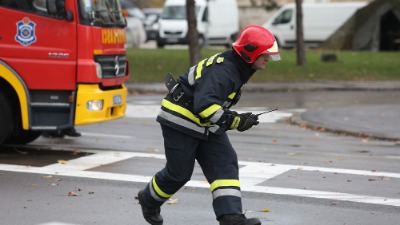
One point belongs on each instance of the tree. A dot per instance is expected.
(300, 51)
(194, 46)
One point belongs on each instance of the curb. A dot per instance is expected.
(298, 121)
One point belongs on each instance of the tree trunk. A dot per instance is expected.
(300, 50)
(194, 47)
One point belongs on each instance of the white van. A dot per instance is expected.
(217, 22)
(320, 20)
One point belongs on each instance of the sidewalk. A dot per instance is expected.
(380, 122)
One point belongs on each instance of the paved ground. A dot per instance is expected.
(380, 121)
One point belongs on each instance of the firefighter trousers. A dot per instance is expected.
(217, 159)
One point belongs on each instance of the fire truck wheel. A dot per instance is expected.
(6, 120)
(23, 136)
(18, 134)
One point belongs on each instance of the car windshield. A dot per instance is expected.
(105, 13)
(175, 12)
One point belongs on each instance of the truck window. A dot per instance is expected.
(32, 6)
(284, 17)
(24, 5)
(105, 13)
(205, 15)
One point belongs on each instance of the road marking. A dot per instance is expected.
(140, 110)
(106, 135)
(57, 223)
(251, 175)
(392, 157)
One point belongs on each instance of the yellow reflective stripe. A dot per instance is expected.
(210, 60)
(210, 110)
(199, 69)
(235, 122)
(159, 191)
(231, 96)
(224, 183)
(184, 112)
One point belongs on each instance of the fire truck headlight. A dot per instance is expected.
(98, 71)
(94, 105)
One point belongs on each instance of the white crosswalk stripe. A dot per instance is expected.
(252, 175)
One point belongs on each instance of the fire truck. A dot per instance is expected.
(62, 64)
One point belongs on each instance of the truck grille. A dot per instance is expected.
(112, 65)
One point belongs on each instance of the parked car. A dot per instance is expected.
(135, 32)
(217, 22)
(151, 25)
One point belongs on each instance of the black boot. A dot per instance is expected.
(53, 134)
(237, 219)
(152, 215)
(71, 132)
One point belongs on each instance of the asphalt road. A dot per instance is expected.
(290, 174)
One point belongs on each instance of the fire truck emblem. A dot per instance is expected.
(25, 32)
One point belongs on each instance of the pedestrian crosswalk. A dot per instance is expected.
(253, 175)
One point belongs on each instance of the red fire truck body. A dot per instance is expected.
(62, 64)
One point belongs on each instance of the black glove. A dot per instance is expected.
(247, 120)
(230, 120)
(241, 122)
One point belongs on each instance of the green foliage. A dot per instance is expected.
(151, 65)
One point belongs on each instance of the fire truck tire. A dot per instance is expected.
(18, 134)
(23, 137)
(6, 120)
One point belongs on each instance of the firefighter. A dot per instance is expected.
(194, 118)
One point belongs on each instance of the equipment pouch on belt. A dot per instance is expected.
(173, 87)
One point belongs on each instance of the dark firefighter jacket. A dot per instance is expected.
(210, 88)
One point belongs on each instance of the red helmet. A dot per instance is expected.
(254, 41)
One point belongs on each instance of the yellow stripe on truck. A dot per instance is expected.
(19, 87)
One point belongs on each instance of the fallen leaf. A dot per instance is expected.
(76, 152)
(71, 193)
(265, 210)
(48, 176)
(62, 161)
(173, 201)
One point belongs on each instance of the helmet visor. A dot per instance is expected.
(274, 57)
